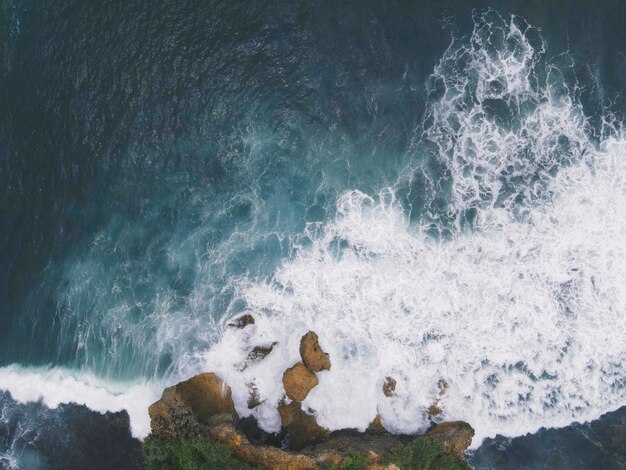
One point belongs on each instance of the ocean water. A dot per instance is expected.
(435, 188)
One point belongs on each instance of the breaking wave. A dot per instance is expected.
(511, 290)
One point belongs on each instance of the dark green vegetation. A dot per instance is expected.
(425, 453)
(189, 454)
(354, 462)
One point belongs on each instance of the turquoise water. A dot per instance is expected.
(168, 166)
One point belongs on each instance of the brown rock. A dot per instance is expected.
(302, 428)
(257, 354)
(185, 406)
(202, 407)
(434, 410)
(226, 432)
(376, 427)
(346, 443)
(242, 321)
(254, 399)
(298, 382)
(389, 387)
(455, 435)
(260, 352)
(312, 354)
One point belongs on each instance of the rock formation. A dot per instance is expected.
(302, 428)
(185, 407)
(202, 408)
(312, 354)
(298, 382)
(435, 409)
(389, 387)
(242, 321)
(456, 436)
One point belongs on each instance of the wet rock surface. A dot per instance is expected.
(202, 407)
(184, 407)
(455, 436)
(242, 322)
(389, 387)
(298, 382)
(312, 354)
(302, 428)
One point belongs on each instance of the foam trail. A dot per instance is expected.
(522, 316)
(525, 323)
(58, 385)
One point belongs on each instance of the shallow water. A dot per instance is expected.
(435, 189)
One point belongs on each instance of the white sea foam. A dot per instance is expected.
(523, 316)
(54, 386)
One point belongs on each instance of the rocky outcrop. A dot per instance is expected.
(298, 382)
(254, 398)
(302, 428)
(389, 387)
(202, 408)
(185, 407)
(260, 352)
(242, 321)
(456, 436)
(376, 426)
(257, 354)
(312, 354)
(435, 409)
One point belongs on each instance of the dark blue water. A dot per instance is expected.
(154, 154)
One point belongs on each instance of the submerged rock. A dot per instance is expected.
(435, 409)
(254, 399)
(389, 387)
(298, 382)
(312, 354)
(257, 354)
(242, 321)
(260, 352)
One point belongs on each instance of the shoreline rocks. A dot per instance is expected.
(389, 387)
(312, 354)
(186, 406)
(298, 381)
(242, 321)
(202, 408)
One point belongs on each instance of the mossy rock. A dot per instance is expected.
(356, 461)
(190, 454)
(425, 453)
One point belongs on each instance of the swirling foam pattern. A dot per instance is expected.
(522, 315)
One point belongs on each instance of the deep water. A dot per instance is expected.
(434, 187)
